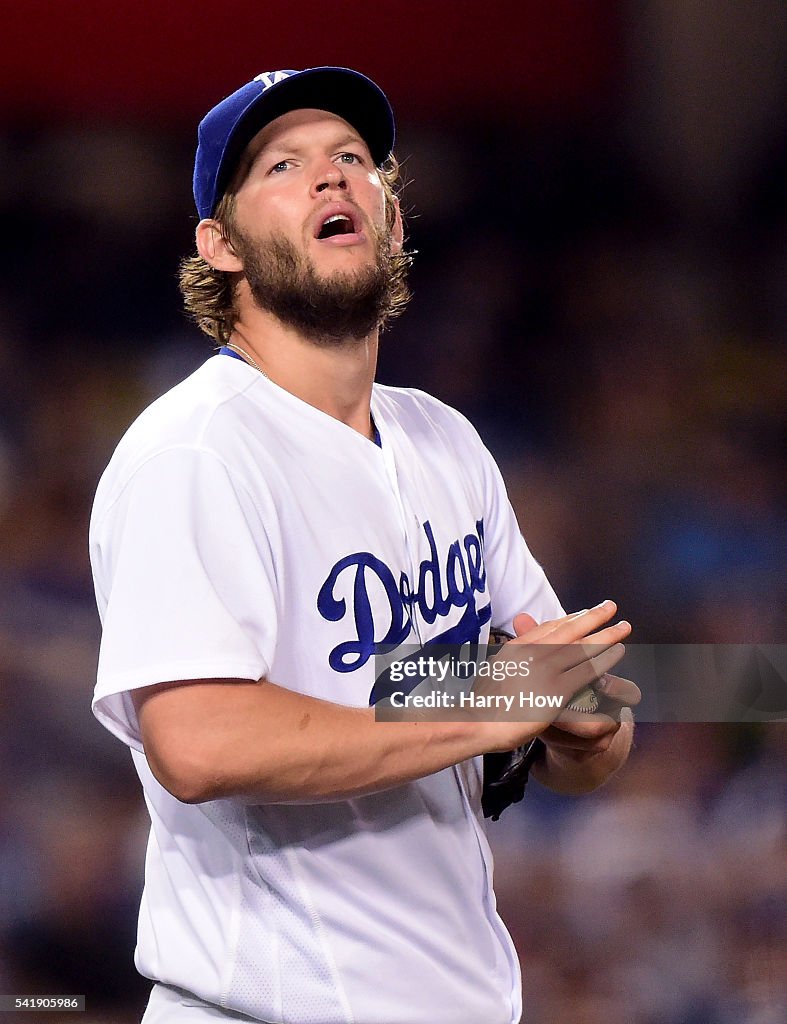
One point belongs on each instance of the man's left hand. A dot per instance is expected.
(584, 750)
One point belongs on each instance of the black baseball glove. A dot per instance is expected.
(505, 777)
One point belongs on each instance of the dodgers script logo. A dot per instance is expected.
(443, 584)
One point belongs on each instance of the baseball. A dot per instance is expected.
(586, 701)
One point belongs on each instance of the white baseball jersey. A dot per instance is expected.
(239, 533)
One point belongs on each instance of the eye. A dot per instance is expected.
(282, 165)
(349, 158)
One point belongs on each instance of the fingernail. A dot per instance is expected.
(603, 604)
(627, 715)
(623, 622)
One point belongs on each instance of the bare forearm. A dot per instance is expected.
(264, 743)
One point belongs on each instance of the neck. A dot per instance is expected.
(335, 379)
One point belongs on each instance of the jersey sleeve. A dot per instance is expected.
(184, 569)
(517, 583)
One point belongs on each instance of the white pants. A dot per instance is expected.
(169, 1005)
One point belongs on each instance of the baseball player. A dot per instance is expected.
(261, 531)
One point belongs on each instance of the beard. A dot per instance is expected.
(327, 311)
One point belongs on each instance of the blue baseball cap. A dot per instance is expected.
(227, 129)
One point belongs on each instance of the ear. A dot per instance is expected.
(397, 232)
(214, 248)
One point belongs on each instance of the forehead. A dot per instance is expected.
(299, 127)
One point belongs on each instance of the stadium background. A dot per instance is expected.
(598, 203)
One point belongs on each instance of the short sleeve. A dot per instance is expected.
(185, 582)
(517, 583)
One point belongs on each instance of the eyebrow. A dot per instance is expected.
(283, 146)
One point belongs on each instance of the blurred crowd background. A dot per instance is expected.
(596, 193)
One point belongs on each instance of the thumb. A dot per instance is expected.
(622, 691)
(523, 623)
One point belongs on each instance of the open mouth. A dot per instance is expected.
(336, 224)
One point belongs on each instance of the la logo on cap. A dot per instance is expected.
(269, 78)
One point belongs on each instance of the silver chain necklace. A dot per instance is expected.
(245, 355)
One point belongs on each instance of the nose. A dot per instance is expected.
(330, 177)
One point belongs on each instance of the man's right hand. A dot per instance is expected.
(564, 655)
